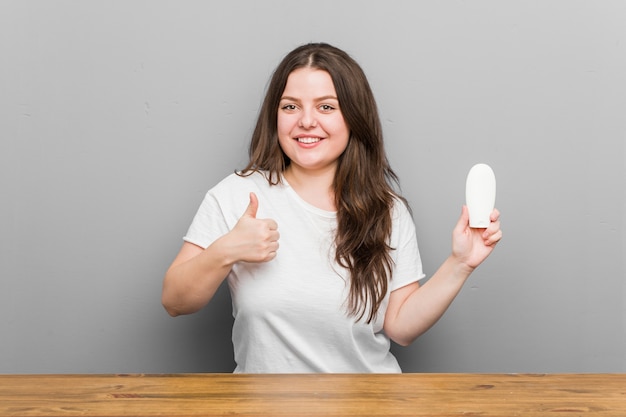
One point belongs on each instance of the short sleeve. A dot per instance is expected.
(405, 253)
(208, 224)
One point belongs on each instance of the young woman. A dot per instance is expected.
(345, 279)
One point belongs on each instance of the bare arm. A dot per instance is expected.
(196, 273)
(413, 309)
(192, 279)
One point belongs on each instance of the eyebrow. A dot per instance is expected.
(329, 97)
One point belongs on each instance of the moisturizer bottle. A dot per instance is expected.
(480, 195)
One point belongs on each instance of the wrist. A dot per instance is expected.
(223, 255)
(459, 266)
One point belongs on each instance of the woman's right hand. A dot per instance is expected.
(196, 273)
(252, 239)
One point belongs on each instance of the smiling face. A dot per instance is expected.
(311, 128)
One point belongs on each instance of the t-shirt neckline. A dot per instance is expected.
(308, 206)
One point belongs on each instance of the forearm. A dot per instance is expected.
(196, 274)
(426, 305)
(413, 310)
(189, 285)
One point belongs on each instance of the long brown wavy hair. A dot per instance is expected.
(364, 183)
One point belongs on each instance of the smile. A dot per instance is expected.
(308, 140)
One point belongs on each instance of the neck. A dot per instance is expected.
(314, 187)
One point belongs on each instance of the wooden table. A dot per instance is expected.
(314, 395)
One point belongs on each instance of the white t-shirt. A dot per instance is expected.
(290, 313)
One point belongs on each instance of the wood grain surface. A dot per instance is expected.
(314, 395)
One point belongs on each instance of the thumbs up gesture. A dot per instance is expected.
(252, 239)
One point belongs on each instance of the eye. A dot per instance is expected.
(289, 107)
(327, 108)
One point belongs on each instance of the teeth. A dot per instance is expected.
(308, 140)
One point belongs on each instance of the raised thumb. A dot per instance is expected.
(253, 206)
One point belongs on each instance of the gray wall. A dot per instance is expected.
(116, 117)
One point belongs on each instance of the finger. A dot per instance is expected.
(272, 224)
(493, 228)
(272, 237)
(494, 238)
(253, 206)
(495, 215)
(271, 254)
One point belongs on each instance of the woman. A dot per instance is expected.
(345, 279)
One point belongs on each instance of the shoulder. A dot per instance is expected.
(237, 181)
(400, 211)
(402, 224)
(233, 192)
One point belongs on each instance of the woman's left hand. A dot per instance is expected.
(472, 246)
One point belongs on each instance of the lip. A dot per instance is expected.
(307, 135)
(308, 141)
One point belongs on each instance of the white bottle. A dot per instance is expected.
(480, 195)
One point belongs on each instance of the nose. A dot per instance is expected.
(307, 119)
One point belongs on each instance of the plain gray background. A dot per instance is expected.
(116, 117)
